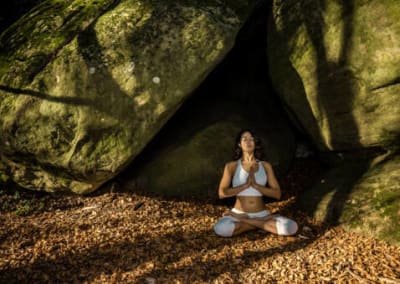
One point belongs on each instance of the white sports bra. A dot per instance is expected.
(241, 175)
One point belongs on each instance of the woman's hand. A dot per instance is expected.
(238, 215)
(272, 189)
(250, 177)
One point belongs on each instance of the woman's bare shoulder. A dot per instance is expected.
(266, 164)
(231, 165)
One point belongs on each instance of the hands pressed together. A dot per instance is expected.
(251, 180)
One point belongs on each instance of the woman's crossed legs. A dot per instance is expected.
(236, 223)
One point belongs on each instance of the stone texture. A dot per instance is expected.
(336, 66)
(362, 194)
(373, 207)
(86, 84)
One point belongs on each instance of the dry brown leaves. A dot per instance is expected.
(131, 238)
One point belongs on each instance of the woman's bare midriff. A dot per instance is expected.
(249, 204)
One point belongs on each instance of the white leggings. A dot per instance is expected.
(226, 225)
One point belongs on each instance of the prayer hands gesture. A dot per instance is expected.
(251, 180)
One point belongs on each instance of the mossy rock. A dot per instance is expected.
(373, 207)
(335, 65)
(85, 85)
(362, 194)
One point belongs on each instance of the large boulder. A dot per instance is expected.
(336, 66)
(85, 85)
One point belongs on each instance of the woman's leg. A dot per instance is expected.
(229, 226)
(241, 227)
(273, 223)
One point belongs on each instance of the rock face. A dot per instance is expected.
(373, 206)
(362, 194)
(336, 66)
(84, 85)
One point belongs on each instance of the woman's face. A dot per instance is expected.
(247, 142)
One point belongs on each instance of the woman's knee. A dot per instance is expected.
(224, 228)
(285, 226)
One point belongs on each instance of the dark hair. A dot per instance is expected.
(258, 150)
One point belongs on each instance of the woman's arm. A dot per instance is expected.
(274, 189)
(224, 189)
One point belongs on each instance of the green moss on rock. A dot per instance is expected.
(30, 43)
(361, 193)
(85, 85)
(334, 64)
(373, 207)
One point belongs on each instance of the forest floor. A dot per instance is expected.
(118, 235)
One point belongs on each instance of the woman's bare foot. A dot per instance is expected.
(238, 216)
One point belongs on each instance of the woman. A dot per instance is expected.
(249, 176)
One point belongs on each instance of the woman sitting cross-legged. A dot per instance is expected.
(251, 178)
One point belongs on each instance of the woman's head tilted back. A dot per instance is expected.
(247, 140)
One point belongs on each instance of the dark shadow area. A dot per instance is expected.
(44, 96)
(11, 11)
(23, 202)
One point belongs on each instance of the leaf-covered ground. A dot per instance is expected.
(119, 236)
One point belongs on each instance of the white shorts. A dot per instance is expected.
(226, 225)
(258, 214)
